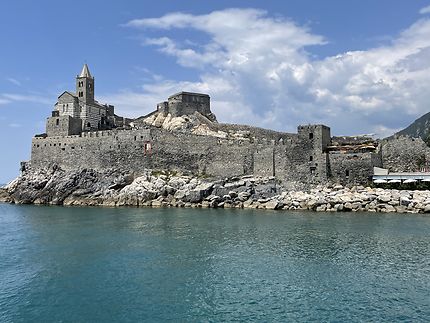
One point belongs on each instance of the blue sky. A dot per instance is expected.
(359, 66)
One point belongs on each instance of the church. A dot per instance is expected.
(77, 112)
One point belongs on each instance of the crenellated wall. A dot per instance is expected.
(289, 157)
(98, 150)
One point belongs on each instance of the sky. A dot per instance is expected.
(358, 66)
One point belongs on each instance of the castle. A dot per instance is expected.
(82, 133)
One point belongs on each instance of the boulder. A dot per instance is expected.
(273, 205)
(404, 200)
(384, 198)
(233, 194)
(243, 196)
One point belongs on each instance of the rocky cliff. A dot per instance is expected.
(115, 188)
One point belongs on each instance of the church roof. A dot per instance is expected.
(67, 92)
(85, 71)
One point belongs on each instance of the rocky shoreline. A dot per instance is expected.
(53, 186)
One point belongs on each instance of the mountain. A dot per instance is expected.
(418, 128)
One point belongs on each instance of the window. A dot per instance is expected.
(311, 135)
(312, 169)
(311, 158)
(347, 173)
(88, 125)
(57, 122)
(147, 147)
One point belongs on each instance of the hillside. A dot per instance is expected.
(420, 128)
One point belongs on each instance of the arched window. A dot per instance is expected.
(57, 122)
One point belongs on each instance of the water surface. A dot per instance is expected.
(60, 264)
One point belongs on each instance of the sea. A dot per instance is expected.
(82, 264)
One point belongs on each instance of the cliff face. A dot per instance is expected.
(54, 185)
(114, 188)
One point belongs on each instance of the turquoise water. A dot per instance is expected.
(127, 265)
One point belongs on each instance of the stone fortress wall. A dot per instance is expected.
(310, 156)
(295, 158)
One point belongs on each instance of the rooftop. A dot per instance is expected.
(189, 93)
(85, 71)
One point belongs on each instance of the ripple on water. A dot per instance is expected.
(95, 264)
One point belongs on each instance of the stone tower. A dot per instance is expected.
(85, 86)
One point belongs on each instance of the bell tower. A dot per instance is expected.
(85, 86)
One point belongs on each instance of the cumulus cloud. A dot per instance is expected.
(258, 69)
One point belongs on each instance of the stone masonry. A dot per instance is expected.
(81, 133)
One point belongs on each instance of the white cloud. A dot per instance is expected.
(13, 81)
(257, 70)
(425, 10)
(13, 97)
(4, 101)
(15, 125)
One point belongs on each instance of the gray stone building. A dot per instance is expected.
(186, 103)
(79, 111)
